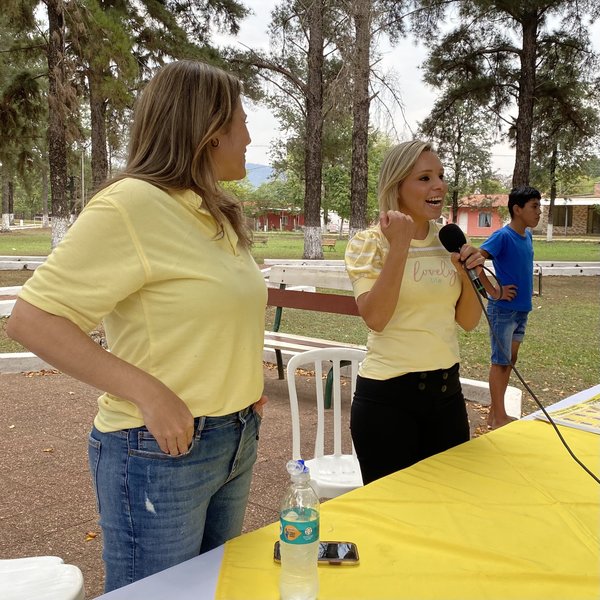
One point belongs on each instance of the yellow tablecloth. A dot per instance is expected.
(508, 515)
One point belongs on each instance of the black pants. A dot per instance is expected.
(400, 421)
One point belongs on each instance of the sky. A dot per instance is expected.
(402, 60)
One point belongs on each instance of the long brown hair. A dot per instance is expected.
(180, 110)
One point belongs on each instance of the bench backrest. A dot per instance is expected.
(306, 275)
(317, 301)
(332, 277)
(333, 262)
(329, 276)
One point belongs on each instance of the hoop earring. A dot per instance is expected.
(215, 143)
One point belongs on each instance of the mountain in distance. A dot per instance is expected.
(258, 174)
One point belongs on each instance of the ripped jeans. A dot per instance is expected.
(157, 510)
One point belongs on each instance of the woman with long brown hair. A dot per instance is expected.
(161, 256)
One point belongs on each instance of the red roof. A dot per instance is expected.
(484, 200)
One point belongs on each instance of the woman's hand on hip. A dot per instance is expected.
(169, 420)
(260, 404)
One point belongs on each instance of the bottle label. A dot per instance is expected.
(299, 526)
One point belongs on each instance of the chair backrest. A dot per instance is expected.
(314, 359)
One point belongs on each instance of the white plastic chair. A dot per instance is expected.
(40, 578)
(337, 473)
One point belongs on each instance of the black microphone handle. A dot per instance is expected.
(476, 282)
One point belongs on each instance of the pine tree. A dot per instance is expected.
(493, 57)
(22, 108)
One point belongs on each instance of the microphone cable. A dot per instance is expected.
(550, 420)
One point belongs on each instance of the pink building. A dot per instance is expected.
(479, 215)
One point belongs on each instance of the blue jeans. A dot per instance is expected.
(507, 326)
(158, 510)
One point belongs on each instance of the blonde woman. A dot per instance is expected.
(161, 256)
(410, 292)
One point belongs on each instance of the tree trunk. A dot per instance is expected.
(553, 161)
(524, 124)
(57, 144)
(314, 134)
(45, 218)
(454, 205)
(5, 225)
(98, 121)
(360, 110)
(455, 193)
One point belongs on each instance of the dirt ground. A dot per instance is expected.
(46, 501)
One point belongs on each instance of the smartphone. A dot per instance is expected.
(333, 553)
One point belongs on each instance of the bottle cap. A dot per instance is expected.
(296, 468)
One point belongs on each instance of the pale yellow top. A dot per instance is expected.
(176, 302)
(421, 335)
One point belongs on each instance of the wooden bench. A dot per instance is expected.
(19, 263)
(537, 274)
(328, 243)
(302, 274)
(260, 239)
(305, 262)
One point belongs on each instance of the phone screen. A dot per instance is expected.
(330, 552)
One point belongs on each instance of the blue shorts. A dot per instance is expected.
(507, 326)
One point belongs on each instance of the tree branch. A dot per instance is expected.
(262, 63)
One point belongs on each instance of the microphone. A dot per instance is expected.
(453, 239)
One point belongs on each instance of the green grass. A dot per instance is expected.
(288, 246)
(25, 242)
(12, 278)
(36, 242)
(6, 344)
(564, 250)
(560, 249)
(291, 245)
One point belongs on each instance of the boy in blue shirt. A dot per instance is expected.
(511, 251)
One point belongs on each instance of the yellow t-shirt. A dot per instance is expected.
(176, 302)
(421, 335)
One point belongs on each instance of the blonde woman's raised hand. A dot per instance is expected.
(397, 227)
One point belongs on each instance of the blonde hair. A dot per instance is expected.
(178, 113)
(396, 166)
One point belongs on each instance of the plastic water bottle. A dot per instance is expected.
(299, 536)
